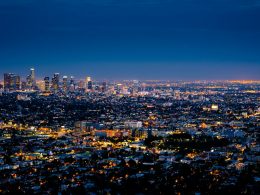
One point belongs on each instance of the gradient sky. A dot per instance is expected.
(132, 39)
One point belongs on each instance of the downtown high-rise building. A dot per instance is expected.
(12, 82)
(17, 82)
(23, 85)
(55, 82)
(72, 84)
(32, 73)
(46, 84)
(7, 81)
(65, 83)
(89, 84)
(31, 80)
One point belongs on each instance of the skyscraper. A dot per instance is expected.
(30, 79)
(29, 82)
(89, 84)
(11, 82)
(47, 83)
(55, 82)
(7, 81)
(23, 85)
(65, 83)
(33, 80)
(17, 82)
(72, 84)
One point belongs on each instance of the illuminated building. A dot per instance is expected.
(133, 124)
(7, 81)
(89, 84)
(28, 82)
(111, 133)
(72, 84)
(55, 82)
(65, 83)
(118, 88)
(23, 97)
(177, 94)
(23, 85)
(88, 79)
(46, 84)
(17, 82)
(30, 79)
(11, 82)
(33, 80)
(203, 126)
(40, 85)
(214, 107)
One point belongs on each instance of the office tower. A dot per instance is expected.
(29, 82)
(136, 87)
(88, 79)
(72, 84)
(47, 84)
(23, 85)
(65, 83)
(7, 81)
(55, 82)
(119, 88)
(11, 82)
(33, 80)
(89, 84)
(17, 82)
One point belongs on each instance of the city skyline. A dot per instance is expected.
(129, 97)
(179, 40)
(192, 73)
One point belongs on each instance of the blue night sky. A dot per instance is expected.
(132, 39)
